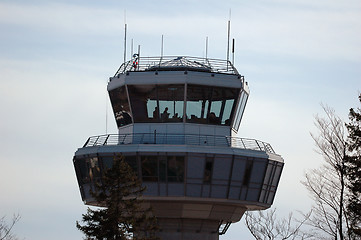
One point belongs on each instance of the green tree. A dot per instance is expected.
(124, 216)
(353, 166)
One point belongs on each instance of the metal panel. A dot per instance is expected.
(175, 189)
(222, 167)
(193, 190)
(195, 166)
(219, 191)
(234, 192)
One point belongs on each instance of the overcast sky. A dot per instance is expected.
(57, 56)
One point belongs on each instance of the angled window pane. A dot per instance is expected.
(121, 109)
(171, 99)
(210, 105)
(143, 100)
(240, 109)
(228, 105)
(198, 98)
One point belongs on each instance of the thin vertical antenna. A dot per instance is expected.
(228, 36)
(125, 35)
(106, 113)
(125, 42)
(233, 45)
(138, 56)
(207, 47)
(131, 49)
(161, 48)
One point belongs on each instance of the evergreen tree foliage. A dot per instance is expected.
(124, 216)
(353, 164)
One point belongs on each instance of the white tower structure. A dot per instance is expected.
(177, 119)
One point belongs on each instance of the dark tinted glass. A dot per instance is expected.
(157, 103)
(119, 100)
(149, 168)
(143, 99)
(210, 105)
(175, 169)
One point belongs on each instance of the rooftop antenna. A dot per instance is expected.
(233, 45)
(106, 113)
(228, 36)
(131, 48)
(206, 47)
(138, 56)
(161, 47)
(125, 37)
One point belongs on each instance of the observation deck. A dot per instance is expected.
(178, 139)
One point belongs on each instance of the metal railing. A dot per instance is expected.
(168, 63)
(178, 139)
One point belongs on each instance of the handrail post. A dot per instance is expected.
(258, 145)
(86, 143)
(106, 139)
(96, 141)
(123, 138)
(244, 145)
(229, 140)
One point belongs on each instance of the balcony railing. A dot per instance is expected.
(168, 63)
(178, 139)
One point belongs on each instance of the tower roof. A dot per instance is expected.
(177, 63)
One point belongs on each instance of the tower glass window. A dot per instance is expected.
(171, 99)
(162, 168)
(119, 100)
(175, 169)
(198, 98)
(150, 168)
(241, 106)
(143, 99)
(152, 103)
(208, 169)
(210, 105)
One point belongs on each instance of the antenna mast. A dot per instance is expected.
(229, 32)
(138, 56)
(131, 48)
(125, 36)
(207, 47)
(161, 48)
(233, 45)
(125, 42)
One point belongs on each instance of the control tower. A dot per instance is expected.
(177, 121)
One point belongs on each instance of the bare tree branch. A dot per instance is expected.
(264, 225)
(5, 229)
(326, 185)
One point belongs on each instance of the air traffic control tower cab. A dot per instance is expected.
(177, 119)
